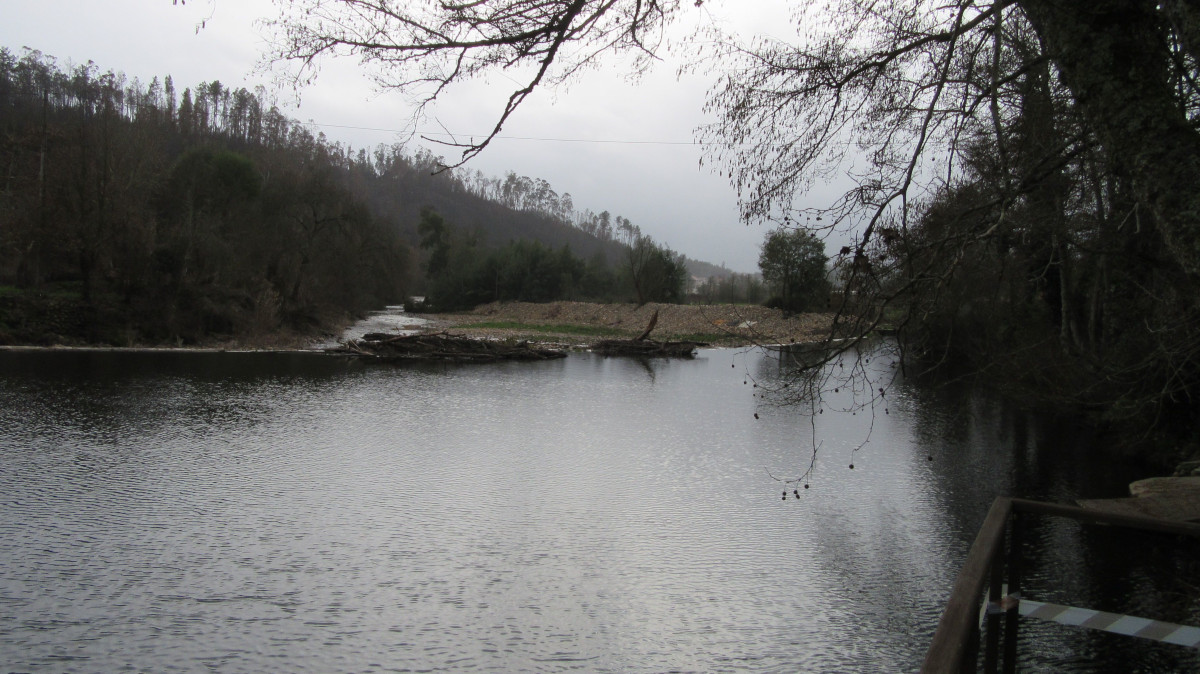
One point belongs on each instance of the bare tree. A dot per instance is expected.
(1038, 158)
(422, 48)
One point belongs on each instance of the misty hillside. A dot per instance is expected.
(404, 185)
(702, 269)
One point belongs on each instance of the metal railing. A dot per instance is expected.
(955, 645)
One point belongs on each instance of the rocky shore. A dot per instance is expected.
(576, 324)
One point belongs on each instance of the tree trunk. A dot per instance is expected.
(1114, 57)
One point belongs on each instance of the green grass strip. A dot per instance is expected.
(704, 337)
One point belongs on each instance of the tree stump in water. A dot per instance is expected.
(644, 347)
(649, 328)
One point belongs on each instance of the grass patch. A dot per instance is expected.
(705, 337)
(561, 328)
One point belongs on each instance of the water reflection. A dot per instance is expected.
(958, 448)
(255, 511)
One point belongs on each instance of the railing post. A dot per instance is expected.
(970, 654)
(955, 644)
(1013, 613)
(956, 641)
(991, 652)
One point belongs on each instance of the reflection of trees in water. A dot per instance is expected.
(955, 420)
(984, 446)
(970, 445)
(121, 400)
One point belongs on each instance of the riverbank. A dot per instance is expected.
(581, 324)
(553, 324)
(59, 317)
(275, 343)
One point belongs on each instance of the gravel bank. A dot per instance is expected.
(560, 323)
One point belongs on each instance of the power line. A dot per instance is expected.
(528, 138)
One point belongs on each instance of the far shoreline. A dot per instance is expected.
(565, 325)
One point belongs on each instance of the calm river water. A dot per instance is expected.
(271, 512)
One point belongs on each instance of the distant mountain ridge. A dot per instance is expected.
(404, 188)
(702, 269)
(517, 207)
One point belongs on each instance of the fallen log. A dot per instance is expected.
(442, 346)
(646, 348)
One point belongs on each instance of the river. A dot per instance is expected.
(248, 512)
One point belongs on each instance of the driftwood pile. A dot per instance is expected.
(644, 347)
(442, 346)
(445, 346)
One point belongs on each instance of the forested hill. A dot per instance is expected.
(704, 269)
(397, 186)
(137, 212)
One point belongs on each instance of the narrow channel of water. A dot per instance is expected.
(391, 320)
(267, 512)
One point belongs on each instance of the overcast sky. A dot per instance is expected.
(622, 147)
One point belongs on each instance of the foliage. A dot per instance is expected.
(462, 273)
(230, 219)
(435, 238)
(656, 273)
(469, 275)
(793, 265)
(732, 288)
(176, 222)
(1028, 196)
(210, 180)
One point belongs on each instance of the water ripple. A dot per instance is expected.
(251, 514)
